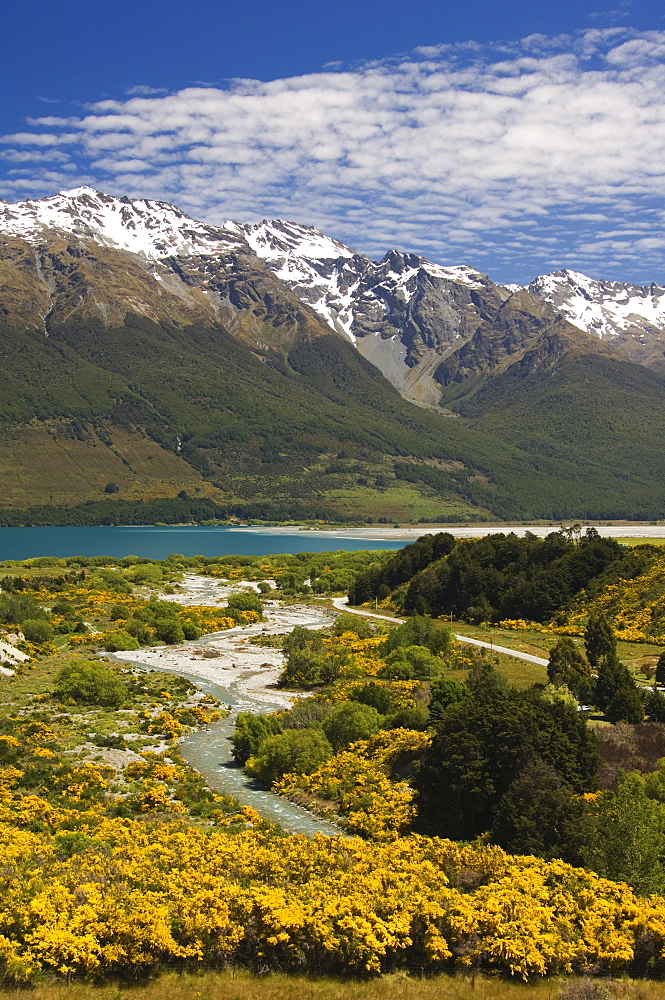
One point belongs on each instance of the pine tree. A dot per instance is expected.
(565, 660)
(660, 669)
(655, 706)
(540, 814)
(626, 706)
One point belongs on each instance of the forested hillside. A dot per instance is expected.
(487, 579)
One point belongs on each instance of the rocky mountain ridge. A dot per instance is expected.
(420, 323)
(257, 364)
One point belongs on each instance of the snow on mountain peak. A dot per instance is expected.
(154, 229)
(338, 283)
(607, 309)
(333, 279)
(273, 239)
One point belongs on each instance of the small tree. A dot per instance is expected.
(37, 630)
(376, 695)
(420, 630)
(565, 659)
(250, 732)
(445, 693)
(420, 661)
(302, 638)
(352, 623)
(539, 814)
(626, 706)
(297, 751)
(625, 837)
(613, 675)
(599, 638)
(349, 722)
(169, 630)
(248, 600)
(655, 706)
(120, 640)
(485, 681)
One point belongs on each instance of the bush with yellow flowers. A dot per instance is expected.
(354, 788)
(128, 894)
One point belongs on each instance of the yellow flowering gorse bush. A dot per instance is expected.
(136, 895)
(357, 782)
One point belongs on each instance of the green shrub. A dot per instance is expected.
(247, 601)
(147, 573)
(190, 630)
(353, 623)
(376, 695)
(297, 751)
(169, 630)
(120, 640)
(420, 630)
(351, 721)
(37, 630)
(420, 661)
(15, 608)
(250, 732)
(91, 683)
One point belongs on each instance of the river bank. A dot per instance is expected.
(623, 529)
(244, 676)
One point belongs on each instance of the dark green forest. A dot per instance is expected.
(487, 579)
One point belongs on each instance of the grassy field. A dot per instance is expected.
(240, 985)
(641, 541)
(539, 644)
(395, 501)
(519, 673)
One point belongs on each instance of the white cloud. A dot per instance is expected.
(144, 90)
(445, 150)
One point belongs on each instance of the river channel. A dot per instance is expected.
(241, 675)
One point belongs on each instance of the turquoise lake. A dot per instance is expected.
(158, 543)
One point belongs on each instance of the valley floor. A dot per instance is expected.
(633, 530)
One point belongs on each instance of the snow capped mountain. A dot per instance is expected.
(607, 309)
(154, 229)
(405, 314)
(342, 286)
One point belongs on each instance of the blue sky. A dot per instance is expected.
(518, 137)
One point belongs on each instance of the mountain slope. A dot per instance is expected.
(151, 354)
